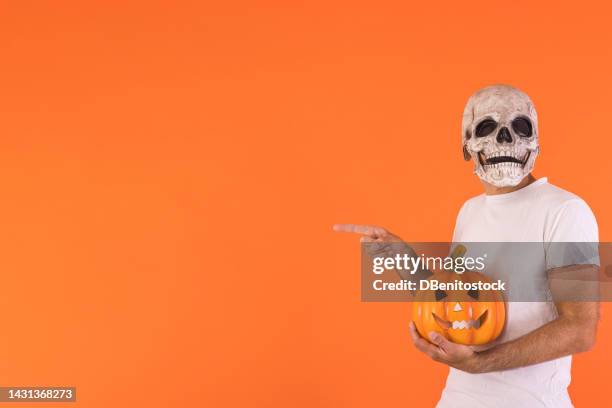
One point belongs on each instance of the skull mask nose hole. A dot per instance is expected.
(504, 136)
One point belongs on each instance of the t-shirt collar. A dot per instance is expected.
(518, 193)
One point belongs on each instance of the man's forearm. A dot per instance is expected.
(561, 337)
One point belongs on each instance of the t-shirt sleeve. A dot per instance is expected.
(572, 236)
(457, 232)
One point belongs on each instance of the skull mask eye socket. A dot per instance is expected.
(522, 127)
(486, 127)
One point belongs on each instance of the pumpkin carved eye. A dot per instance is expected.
(440, 294)
(473, 293)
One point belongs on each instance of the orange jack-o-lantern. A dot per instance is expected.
(467, 317)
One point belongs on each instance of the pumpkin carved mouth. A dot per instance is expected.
(461, 324)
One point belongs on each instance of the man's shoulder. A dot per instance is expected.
(569, 218)
(473, 202)
(557, 199)
(557, 195)
(470, 208)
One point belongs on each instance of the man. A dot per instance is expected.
(530, 364)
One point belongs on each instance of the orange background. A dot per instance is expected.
(170, 172)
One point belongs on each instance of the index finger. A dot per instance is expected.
(370, 230)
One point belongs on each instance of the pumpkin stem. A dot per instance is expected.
(459, 251)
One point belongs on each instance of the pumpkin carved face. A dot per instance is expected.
(466, 317)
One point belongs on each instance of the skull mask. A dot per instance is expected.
(500, 133)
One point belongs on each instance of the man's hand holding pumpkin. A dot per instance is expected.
(445, 351)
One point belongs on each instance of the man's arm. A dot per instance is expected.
(381, 242)
(572, 332)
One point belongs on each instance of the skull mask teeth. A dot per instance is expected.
(500, 134)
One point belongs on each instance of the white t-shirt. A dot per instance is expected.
(539, 212)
